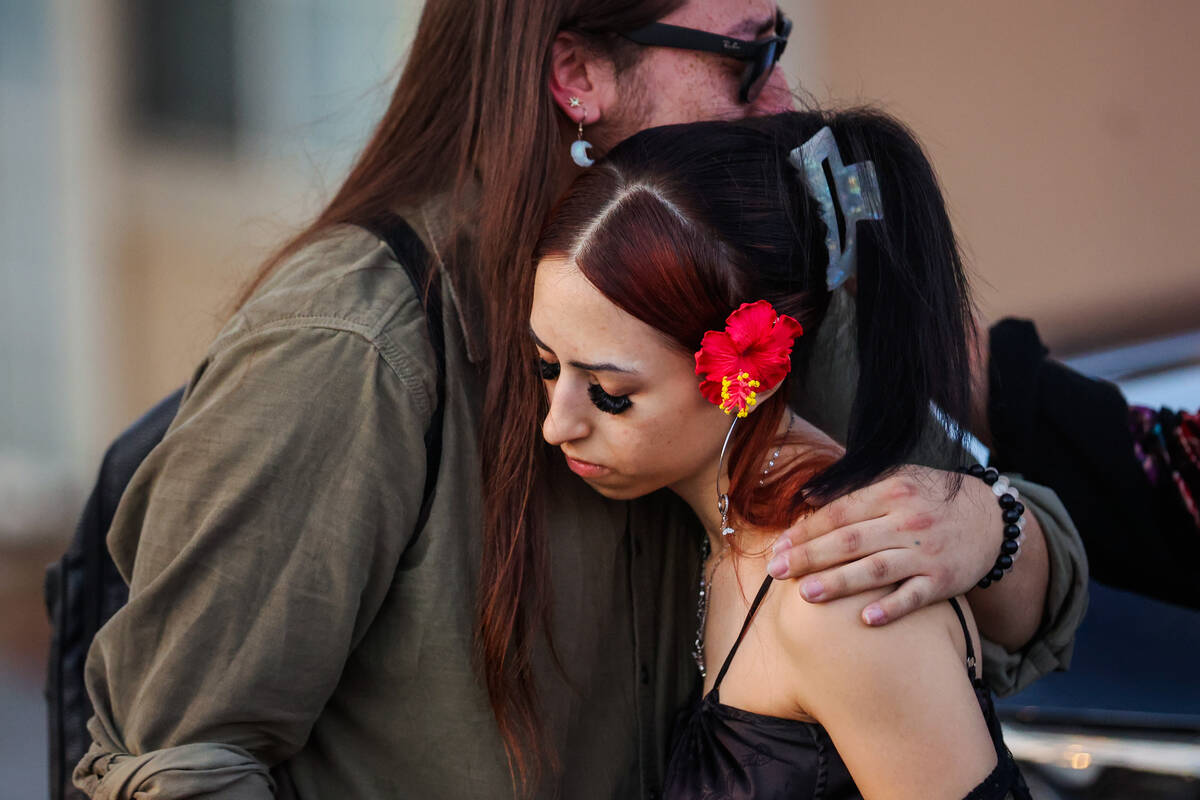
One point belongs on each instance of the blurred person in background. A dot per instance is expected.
(1129, 475)
(292, 630)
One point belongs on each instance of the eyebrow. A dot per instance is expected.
(583, 365)
(753, 27)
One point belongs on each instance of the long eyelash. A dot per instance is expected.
(549, 370)
(608, 403)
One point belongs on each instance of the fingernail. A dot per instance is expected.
(874, 615)
(812, 590)
(777, 567)
(781, 544)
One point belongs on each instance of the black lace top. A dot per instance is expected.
(726, 753)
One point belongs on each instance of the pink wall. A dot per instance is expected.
(1066, 135)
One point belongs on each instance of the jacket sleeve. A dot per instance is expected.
(1066, 600)
(259, 540)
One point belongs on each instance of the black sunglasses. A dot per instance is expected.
(761, 55)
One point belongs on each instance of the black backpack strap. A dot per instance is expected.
(410, 251)
(83, 590)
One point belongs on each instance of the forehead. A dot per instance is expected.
(575, 320)
(723, 16)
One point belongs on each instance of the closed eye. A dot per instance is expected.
(549, 370)
(608, 403)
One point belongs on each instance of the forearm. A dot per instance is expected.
(1061, 606)
(1010, 611)
(216, 771)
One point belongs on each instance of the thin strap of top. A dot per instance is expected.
(762, 592)
(966, 635)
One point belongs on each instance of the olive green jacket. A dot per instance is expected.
(289, 632)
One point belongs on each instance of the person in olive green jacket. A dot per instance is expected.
(291, 633)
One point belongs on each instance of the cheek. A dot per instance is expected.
(692, 89)
(671, 442)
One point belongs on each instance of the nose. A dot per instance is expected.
(776, 96)
(566, 420)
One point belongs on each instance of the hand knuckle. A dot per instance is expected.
(837, 582)
(878, 568)
(902, 488)
(837, 516)
(916, 599)
(852, 542)
(920, 521)
(941, 578)
(798, 559)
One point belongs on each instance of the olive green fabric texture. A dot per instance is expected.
(288, 631)
(290, 634)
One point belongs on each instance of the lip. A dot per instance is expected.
(586, 469)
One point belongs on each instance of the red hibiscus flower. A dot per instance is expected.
(752, 354)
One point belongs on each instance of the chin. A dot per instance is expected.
(618, 492)
(614, 493)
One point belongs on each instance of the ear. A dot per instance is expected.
(577, 70)
(762, 397)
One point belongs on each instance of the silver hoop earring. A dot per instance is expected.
(722, 498)
(580, 147)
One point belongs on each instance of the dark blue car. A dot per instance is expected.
(1124, 722)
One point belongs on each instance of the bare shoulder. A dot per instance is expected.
(829, 645)
(927, 736)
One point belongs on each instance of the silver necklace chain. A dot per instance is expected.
(702, 609)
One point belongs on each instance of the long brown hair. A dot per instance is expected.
(471, 118)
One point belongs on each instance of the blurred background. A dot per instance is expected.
(152, 153)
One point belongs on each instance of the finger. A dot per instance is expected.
(837, 547)
(858, 506)
(913, 594)
(875, 571)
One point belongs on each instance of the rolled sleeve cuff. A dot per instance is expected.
(211, 771)
(1066, 600)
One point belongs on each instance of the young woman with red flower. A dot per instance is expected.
(677, 289)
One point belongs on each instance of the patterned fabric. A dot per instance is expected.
(1167, 445)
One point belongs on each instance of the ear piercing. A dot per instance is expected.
(580, 147)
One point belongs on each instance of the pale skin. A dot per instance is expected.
(800, 660)
(900, 532)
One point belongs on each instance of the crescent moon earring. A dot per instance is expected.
(580, 147)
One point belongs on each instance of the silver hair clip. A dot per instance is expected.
(857, 193)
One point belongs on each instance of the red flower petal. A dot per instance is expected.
(717, 356)
(711, 390)
(772, 355)
(750, 323)
(757, 342)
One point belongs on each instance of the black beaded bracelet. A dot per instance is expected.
(1011, 511)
